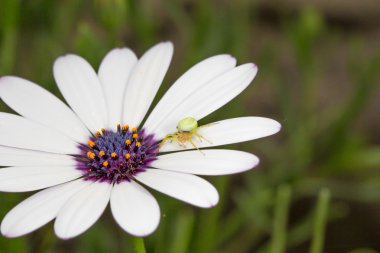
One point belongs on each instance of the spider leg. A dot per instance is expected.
(181, 143)
(201, 137)
(192, 143)
(168, 137)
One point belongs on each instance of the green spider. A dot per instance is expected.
(187, 128)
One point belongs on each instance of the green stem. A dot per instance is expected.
(280, 220)
(138, 245)
(320, 221)
(9, 16)
(183, 231)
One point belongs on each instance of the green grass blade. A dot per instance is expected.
(320, 221)
(138, 245)
(280, 220)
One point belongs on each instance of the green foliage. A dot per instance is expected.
(323, 160)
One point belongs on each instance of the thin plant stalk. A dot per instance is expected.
(320, 221)
(278, 243)
(138, 245)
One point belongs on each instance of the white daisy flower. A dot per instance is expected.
(99, 151)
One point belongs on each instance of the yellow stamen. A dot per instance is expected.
(105, 163)
(125, 127)
(135, 136)
(128, 142)
(90, 155)
(134, 130)
(91, 143)
(113, 155)
(103, 130)
(138, 144)
(97, 133)
(127, 156)
(102, 153)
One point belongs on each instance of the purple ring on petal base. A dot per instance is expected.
(114, 157)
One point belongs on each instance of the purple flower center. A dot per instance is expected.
(116, 156)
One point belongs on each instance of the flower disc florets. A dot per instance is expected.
(117, 156)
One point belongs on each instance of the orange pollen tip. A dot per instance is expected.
(134, 136)
(102, 153)
(105, 163)
(125, 127)
(113, 155)
(97, 133)
(91, 143)
(90, 155)
(103, 130)
(128, 142)
(127, 156)
(138, 144)
(134, 130)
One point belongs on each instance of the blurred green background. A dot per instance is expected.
(317, 188)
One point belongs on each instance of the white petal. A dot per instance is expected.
(208, 162)
(207, 98)
(23, 179)
(113, 73)
(24, 157)
(188, 83)
(82, 210)
(134, 208)
(37, 104)
(145, 79)
(16, 131)
(39, 209)
(228, 131)
(188, 188)
(81, 88)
